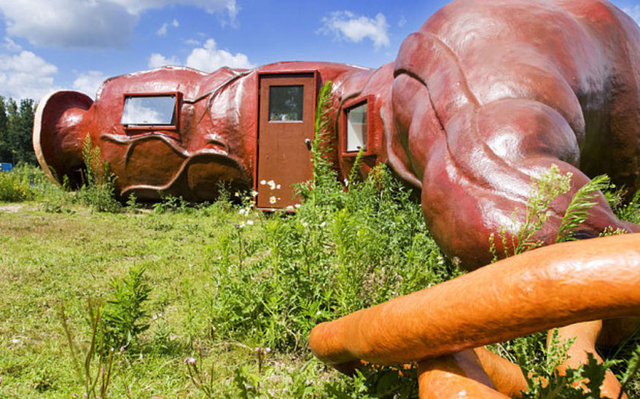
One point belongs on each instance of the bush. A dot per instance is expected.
(14, 188)
(24, 183)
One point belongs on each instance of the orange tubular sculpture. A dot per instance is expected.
(437, 327)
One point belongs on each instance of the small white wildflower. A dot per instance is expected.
(236, 194)
(278, 187)
(263, 182)
(272, 200)
(272, 184)
(297, 205)
(323, 224)
(15, 341)
(189, 360)
(346, 182)
(305, 224)
(250, 222)
(254, 193)
(267, 349)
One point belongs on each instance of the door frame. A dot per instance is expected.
(311, 73)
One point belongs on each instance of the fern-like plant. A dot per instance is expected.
(578, 209)
(544, 381)
(544, 190)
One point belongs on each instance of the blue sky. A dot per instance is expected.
(76, 44)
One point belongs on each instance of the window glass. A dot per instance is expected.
(285, 103)
(357, 128)
(149, 110)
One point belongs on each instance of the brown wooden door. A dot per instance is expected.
(287, 108)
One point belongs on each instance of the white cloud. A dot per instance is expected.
(346, 25)
(89, 82)
(25, 75)
(11, 46)
(633, 12)
(165, 27)
(89, 23)
(211, 6)
(163, 30)
(209, 58)
(158, 60)
(68, 23)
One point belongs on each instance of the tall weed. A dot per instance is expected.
(93, 364)
(98, 192)
(124, 316)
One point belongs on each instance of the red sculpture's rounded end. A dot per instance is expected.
(57, 136)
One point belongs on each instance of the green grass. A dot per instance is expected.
(49, 260)
(226, 282)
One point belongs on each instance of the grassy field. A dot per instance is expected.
(209, 301)
(234, 289)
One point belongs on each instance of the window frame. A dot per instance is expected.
(177, 106)
(344, 125)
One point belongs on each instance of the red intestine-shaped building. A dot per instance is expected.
(487, 95)
(178, 131)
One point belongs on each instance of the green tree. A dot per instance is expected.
(25, 132)
(5, 154)
(12, 121)
(19, 121)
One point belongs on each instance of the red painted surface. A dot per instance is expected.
(485, 96)
(214, 142)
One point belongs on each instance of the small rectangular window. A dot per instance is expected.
(151, 110)
(357, 128)
(285, 103)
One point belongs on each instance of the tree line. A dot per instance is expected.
(16, 126)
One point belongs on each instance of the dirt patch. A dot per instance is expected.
(10, 208)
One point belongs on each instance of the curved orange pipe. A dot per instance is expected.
(549, 287)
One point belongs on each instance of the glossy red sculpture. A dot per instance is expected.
(487, 95)
(177, 131)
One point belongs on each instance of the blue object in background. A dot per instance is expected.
(6, 167)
